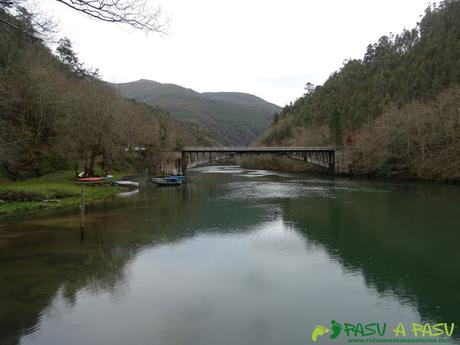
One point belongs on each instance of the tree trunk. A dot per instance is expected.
(90, 167)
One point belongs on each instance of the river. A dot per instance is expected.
(234, 257)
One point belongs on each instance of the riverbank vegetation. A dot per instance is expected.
(395, 112)
(53, 190)
(57, 114)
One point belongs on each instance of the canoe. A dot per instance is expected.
(94, 179)
(90, 179)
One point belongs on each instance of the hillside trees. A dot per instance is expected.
(91, 113)
(27, 97)
(418, 140)
(55, 113)
(386, 107)
(414, 65)
(229, 117)
(69, 59)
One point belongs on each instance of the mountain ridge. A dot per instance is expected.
(237, 118)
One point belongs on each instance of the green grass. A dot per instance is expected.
(49, 185)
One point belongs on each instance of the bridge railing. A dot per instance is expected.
(255, 148)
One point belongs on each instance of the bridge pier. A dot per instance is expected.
(183, 163)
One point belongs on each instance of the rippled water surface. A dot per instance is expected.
(233, 257)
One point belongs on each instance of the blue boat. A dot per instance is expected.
(162, 182)
(180, 178)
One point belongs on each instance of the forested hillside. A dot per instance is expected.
(235, 118)
(57, 114)
(396, 111)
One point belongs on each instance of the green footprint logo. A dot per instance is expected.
(336, 329)
(317, 331)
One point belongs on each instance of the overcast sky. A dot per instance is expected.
(267, 48)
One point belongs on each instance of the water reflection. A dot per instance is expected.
(403, 243)
(233, 257)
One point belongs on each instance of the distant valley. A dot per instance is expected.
(233, 118)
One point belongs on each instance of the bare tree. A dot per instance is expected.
(32, 23)
(136, 13)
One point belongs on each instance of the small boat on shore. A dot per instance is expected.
(98, 179)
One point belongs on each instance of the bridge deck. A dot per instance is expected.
(256, 149)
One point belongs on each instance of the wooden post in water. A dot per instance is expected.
(82, 211)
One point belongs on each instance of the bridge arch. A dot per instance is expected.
(323, 157)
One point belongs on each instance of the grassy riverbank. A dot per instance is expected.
(49, 191)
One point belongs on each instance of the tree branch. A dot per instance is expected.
(135, 13)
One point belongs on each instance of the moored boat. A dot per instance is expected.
(176, 177)
(166, 182)
(99, 179)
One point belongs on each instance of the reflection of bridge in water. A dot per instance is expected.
(323, 157)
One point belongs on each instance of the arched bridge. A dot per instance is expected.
(321, 156)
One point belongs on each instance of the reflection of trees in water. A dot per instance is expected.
(48, 261)
(32, 280)
(401, 245)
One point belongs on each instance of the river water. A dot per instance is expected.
(234, 257)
